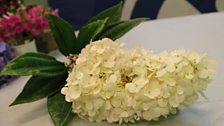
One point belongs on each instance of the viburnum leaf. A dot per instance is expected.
(113, 13)
(39, 87)
(35, 64)
(89, 31)
(59, 109)
(64, 35)
(119, 29)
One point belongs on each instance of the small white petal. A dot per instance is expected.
(131, 87)
(64, 90)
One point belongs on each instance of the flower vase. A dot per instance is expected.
(46, 42)
(28, 46)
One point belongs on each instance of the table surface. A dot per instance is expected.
(204, 33)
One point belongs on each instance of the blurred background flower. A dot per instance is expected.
(27, 23)
(6, 54)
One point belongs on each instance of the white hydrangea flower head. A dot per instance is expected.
(111, 83)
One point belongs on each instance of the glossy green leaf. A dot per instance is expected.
(35, 64)
(64, 35)
(59, 109)
(106, 29)
(39, 87)
(113, 13)
(89, 31)
(119, 29)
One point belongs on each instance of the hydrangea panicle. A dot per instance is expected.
(109, 82)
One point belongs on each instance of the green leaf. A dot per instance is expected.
(119, 29)
(89, 31)
(106, 29)
(39, 87)
(35, 64)
(113, 13)
(64, 35)
(59, 109)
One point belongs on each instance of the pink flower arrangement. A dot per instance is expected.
(25, 24)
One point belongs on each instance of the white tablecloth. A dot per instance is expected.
(204, 33)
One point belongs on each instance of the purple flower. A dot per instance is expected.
(6, 54)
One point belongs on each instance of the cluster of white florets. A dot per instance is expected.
(112, 83)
